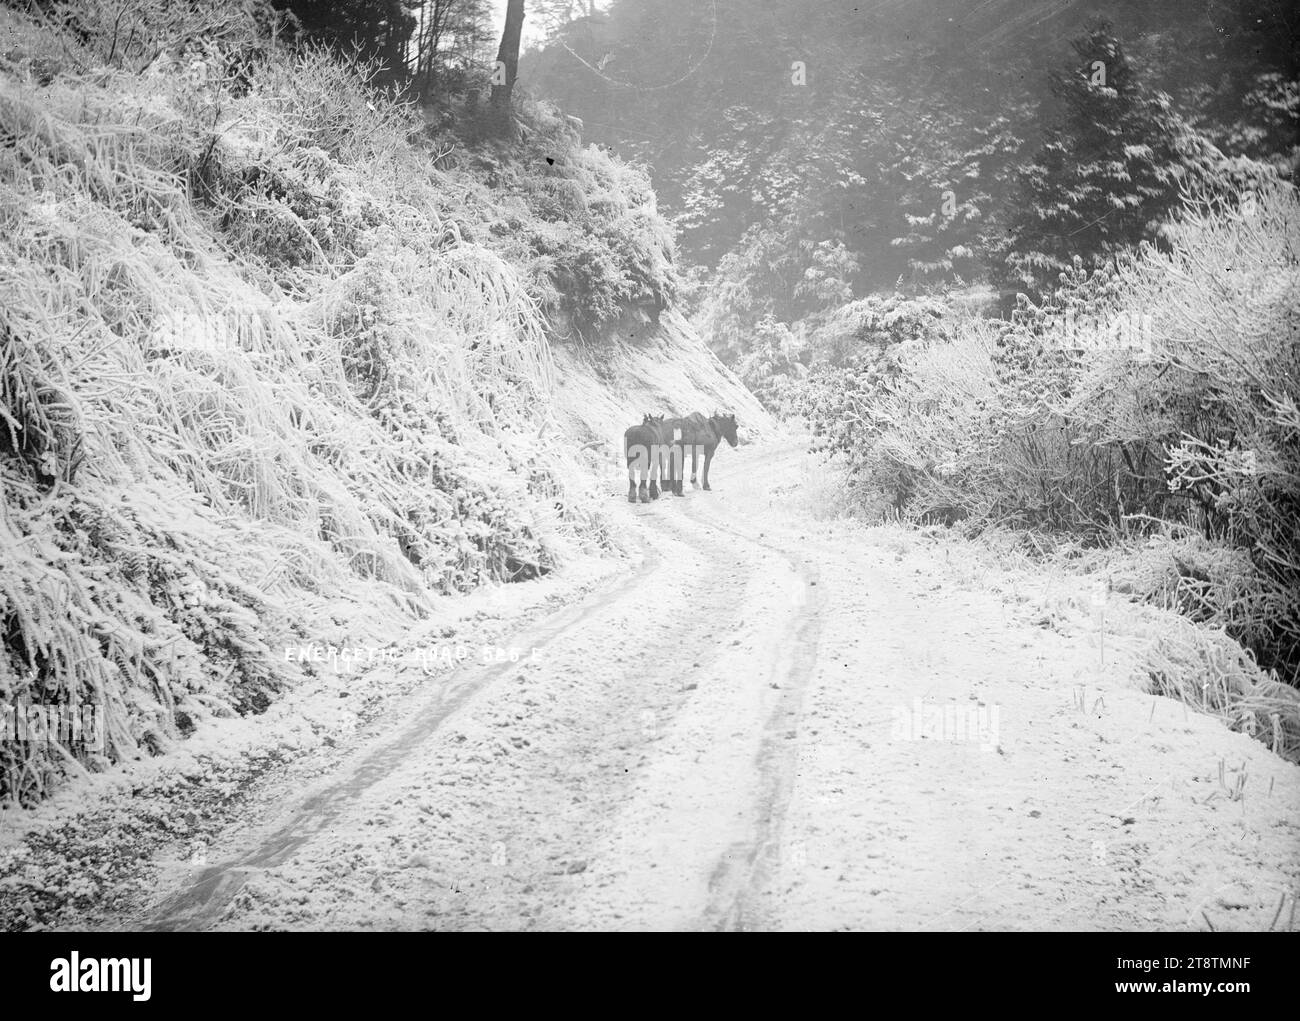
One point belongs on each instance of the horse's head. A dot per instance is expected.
(726, 427)
(654, 420)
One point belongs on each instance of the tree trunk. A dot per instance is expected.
(508, 55)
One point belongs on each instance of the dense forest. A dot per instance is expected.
(813, 152)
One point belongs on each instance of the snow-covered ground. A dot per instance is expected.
(765, 719)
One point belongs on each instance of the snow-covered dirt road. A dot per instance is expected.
(769, 721)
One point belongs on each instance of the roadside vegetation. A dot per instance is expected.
(1142, 427)
(269, 342)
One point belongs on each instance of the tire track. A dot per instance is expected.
(683, 607)
(203, 902)
(693, 846)
(742, 875)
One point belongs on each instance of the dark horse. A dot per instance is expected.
(698, 434)
(667, 462)
(641, 445)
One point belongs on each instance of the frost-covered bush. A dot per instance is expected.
(857, 333)
(852, 352)
(1166, 390)
(259, 353)
(586, 226)
(772, 367)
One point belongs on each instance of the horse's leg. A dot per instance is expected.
(679, 468)
(708, 460)
(638, 460)
(695, 457)
(656, 456)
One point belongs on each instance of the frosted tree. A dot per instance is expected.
(1108, 173)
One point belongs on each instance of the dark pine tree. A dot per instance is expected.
(1107, 175)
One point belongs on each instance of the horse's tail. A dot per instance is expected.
(633, 435)
(638, 444)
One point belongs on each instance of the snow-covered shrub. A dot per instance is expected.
(1165, 390)
(258, 353)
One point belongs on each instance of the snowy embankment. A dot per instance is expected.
(361, 659)
(278, 395)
